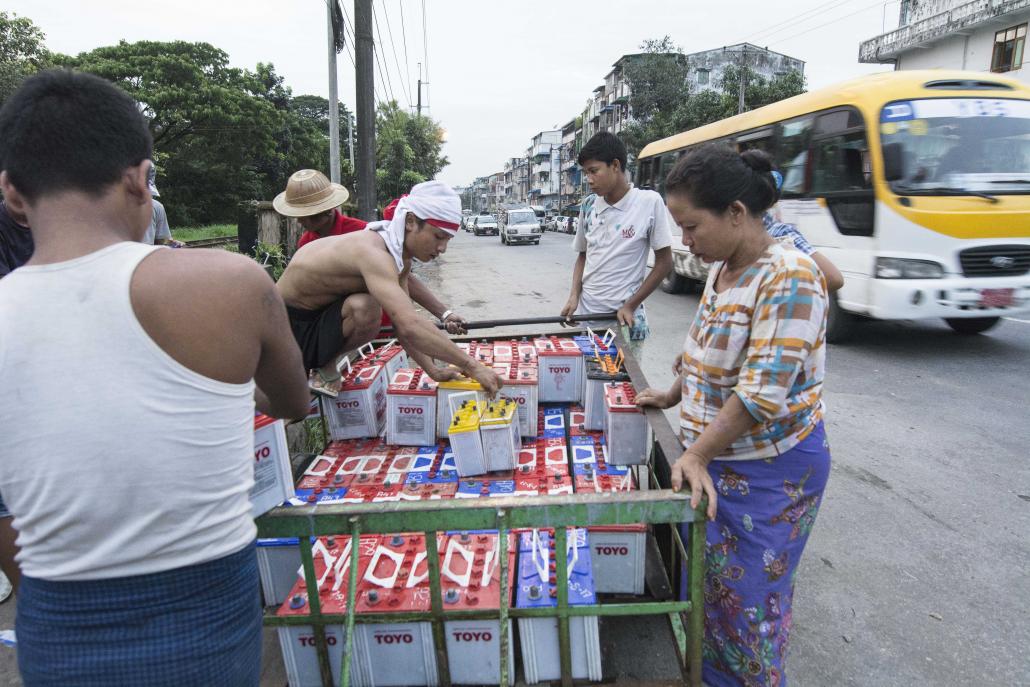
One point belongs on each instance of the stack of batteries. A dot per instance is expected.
(393, 439)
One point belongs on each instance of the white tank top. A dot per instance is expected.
(115, 459)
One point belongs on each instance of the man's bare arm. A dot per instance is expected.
(282, 387)
(415, 333)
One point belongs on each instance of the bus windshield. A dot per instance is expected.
(955, 146)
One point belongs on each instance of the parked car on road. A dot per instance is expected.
(519, 226)
(484, 224)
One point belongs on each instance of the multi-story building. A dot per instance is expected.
(571, 142)
(707, 67)
(983, 35)
(496, 190)
(545, 170)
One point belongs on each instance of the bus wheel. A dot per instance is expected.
(839, 322)
(971, 325)
(674, 283)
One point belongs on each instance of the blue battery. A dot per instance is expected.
(478, 488)
(305, 497)
(554, 421)
(588, 346)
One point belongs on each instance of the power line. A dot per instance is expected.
(832, 21)
(382, 82)
(404, 35)
(405, 86)
(376, 52)
(383, 43)
(425, 50)
(802, 17)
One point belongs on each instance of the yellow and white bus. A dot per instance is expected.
(916, 184)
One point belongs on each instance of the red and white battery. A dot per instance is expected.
(332, 567)
(360, 408)
(625, 427)
(392, 356)
(482, 351)
(520, 382)
(395, 580)
(470, 579)
(411, 408)
(273, 477)
(561, 370)
(618, 550)
(596, 379)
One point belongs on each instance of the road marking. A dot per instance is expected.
(1015, 319)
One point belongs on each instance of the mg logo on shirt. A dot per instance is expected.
(629, 232)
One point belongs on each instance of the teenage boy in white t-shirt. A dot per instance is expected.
(618, 225)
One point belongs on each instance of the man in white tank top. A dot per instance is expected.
(128, 479)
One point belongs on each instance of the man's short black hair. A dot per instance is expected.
(605, 147)
(65, 130)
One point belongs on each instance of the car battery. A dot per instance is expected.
(555, 485)
(392, 356)
(441, 467)
(360, 408)
(519, 382)
(552, 455)
(411, 408)
(428, 491)
(504, 353)
(625, 426)
(537, 588)
(577, 420)
(599, 374)
(595, 345)
(481, 488)
(482, 352)
(395, 580)
(466, 441)
(444, 391)
(617, 554)
(561, 370)
(273, 478)
(321, 482)
(277, 561)
(332, 567)
(499, 430)
(551, 422)
(525, 353)
(470, 579)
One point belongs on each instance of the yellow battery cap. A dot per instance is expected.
(465, 419)
(499, 412)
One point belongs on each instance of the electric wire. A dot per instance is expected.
(801, 17)
(832, 21)
(405, 87)
(404, 35)
(382, 43)
(425, 50)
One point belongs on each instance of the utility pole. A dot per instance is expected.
(365, 96)
(334, 100)
(350, 139)
(419, 89)
(742, 79)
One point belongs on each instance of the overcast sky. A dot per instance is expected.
(498, 72)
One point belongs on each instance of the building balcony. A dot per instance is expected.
(953, 18)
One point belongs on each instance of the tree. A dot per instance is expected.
(658, 89)
(407, 150)
(22, 52)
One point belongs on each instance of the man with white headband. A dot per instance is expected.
(336, 290)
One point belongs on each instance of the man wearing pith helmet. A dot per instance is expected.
(314, 200)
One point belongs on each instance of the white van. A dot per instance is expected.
(520, 225)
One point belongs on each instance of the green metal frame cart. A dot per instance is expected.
(660, 507)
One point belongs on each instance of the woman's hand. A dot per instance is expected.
(652, 398)
(693, 468)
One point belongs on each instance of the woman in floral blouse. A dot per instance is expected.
(751, 411)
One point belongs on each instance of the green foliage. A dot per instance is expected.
(22, 52)
(407, 151)
(273, 258)
(663, 105)
(210, 231)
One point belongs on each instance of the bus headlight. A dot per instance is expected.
(904, 268)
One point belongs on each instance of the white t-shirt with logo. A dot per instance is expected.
(616, 239)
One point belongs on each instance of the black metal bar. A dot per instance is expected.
(519, 321)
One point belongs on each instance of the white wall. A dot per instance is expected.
(971, 52)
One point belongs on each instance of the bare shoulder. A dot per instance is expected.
(216, 273)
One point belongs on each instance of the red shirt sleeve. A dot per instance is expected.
(306, 237)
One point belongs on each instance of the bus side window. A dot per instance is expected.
(646, 175)
(792, 155)
(841, 156)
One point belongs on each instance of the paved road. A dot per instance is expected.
(916, 572)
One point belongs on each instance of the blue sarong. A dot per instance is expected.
(199, 625)
(766, 509)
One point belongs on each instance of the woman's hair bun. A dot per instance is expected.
(757, 160)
